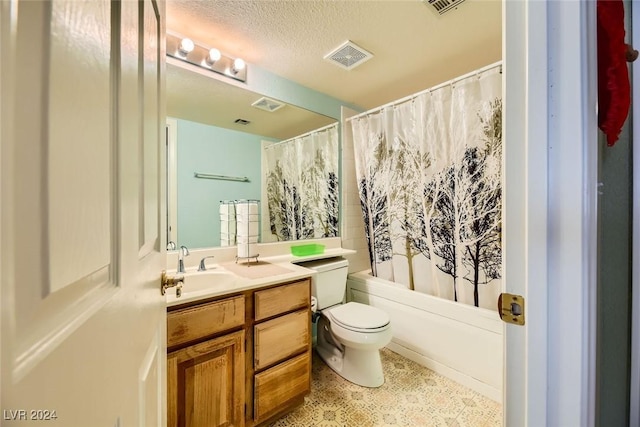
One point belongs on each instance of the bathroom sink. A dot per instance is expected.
(208, 280)
(200, 283)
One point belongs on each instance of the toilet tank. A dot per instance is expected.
(330, 281)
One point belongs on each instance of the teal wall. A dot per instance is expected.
(266, 83)
(208, 149)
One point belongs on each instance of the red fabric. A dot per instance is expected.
(614, 89)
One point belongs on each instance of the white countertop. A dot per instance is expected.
(223, 281)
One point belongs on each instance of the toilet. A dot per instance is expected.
(349, 336)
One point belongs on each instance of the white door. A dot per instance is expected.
(83, 322)
(550, 154)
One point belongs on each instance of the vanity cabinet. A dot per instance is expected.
(239, 360)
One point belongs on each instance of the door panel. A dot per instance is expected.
(63, 246)
(149, 80)
(150, 403)
(83, 321)
(78, 181)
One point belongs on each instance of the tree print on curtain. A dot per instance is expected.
(429, 179)
(302, 186)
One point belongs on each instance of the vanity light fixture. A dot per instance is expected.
(186, 46)
(211, 59)
(214, 55)
(238, 65)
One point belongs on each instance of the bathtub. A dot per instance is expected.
(461, 342)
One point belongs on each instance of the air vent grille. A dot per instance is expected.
(268, 104)
(348, 55)
(443, 6)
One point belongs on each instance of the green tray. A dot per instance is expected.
(305, 250)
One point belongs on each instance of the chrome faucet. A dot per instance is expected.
(202, 266)
(183, 252)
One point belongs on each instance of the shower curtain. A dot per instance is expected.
(429, 179)
(302, 186)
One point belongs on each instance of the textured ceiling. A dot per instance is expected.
(414, 48)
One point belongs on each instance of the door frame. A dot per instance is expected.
(634, 393)
(172, 179)
(550, 130)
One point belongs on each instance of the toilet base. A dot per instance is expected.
(361, 367)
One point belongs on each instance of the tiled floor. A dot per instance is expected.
(412, 395)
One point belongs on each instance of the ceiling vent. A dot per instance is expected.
(268, 104)
(348, 55)
(442, 6)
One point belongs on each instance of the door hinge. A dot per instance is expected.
(511, 308)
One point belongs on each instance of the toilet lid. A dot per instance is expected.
(360, 316)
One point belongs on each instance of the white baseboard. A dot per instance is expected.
(457, 376)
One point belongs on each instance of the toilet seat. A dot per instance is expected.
(359, 317)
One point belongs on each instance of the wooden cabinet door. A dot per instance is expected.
(200, 321)
(281, 386)
(282, 299)
(205, 385)
(280, 338)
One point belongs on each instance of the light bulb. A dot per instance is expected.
(214, 55)
(186, 46)
(238, 65)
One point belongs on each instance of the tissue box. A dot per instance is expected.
(305, 250)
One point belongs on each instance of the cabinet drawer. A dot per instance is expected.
(281, 384)
(282, 299)
(203, 320)
(279, 338)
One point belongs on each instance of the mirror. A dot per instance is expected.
(214, 131)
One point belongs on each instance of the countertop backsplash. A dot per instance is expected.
(226, 254)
